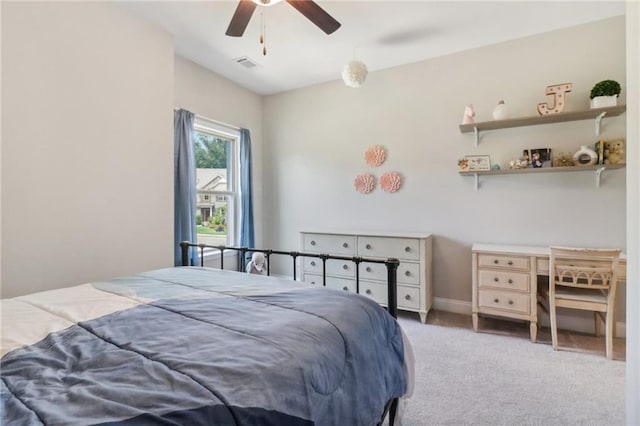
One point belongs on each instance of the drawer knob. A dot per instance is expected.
(313, 263)
(345, 245)
(408, 297)
(510, 281)
(407, 249)
(407, 273)
(368, 246)
(511, 302)
(496, 300)
(510, 263)
(345, 267)
(496, 279)
(313, 282)
(496, 261)
(368, 269)
(368, 291)
(313, 243)
(345, 288)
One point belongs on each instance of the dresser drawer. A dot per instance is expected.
(401, 248)
(330, 244)
(506, 301)
(332, 282)
(501, 261)
(407, 273)
(375, 291)
(408, 297)
(343, 268)
(504, 279)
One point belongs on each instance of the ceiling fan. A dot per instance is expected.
(308, 8)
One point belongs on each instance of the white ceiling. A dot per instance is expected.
(382, 34)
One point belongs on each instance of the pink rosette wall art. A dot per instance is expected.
(375, 155)
(364, 183)
(390, 181)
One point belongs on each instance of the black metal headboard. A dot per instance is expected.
(390, 263)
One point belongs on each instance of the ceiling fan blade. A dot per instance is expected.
(316, 14)
(240, 18)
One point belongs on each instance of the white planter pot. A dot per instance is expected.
(604, 101)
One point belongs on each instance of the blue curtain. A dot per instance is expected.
(246, 194)
(184, 184)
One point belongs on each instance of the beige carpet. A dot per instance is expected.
(499, 377)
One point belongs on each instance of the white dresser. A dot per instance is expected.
(413, 250)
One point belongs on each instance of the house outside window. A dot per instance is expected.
(217, 186)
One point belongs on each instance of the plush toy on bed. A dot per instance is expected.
(257, 264)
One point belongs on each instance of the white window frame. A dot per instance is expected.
(205, 125)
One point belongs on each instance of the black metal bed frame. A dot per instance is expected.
(392, 280)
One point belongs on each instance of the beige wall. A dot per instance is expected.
(212, 96)
(87, 145)
(317, 137)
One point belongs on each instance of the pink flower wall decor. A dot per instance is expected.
(375, 155)
(390, 181)
(364, 183)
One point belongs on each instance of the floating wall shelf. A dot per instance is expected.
(595, 113)
(598, 168)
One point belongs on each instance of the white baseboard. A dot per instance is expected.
(567, 322)
(452, 305)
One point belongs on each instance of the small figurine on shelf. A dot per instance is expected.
(520, 163)
(469, 113)
(585, 156)
(614, 152)
(500, 111)
(563, 159)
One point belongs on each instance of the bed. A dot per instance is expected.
(200, 346)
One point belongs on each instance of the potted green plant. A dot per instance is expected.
(605, 94)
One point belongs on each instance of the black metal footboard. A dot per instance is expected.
(391, 406)
(390, 263)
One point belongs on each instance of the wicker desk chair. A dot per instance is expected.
(582, 278)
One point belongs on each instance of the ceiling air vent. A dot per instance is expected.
(246, 62)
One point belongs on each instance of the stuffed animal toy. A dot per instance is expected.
(614, 152)
(257, 264)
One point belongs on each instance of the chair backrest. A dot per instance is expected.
(584, 267)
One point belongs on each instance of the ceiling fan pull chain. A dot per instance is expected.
(261, 28)
(263, 36)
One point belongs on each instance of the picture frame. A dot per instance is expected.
(478, 162)
(539, 157)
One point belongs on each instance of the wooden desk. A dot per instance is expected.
(505, 281)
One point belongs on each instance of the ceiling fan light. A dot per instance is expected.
(354, 74)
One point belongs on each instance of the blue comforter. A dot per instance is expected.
(210, 347)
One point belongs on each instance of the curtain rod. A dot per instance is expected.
(219, 123)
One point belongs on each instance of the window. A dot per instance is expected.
(217, 188)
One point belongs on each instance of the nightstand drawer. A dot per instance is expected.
(505, 301)
(402, 248)
(504, 279)
(330, 244)
(507, 262)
